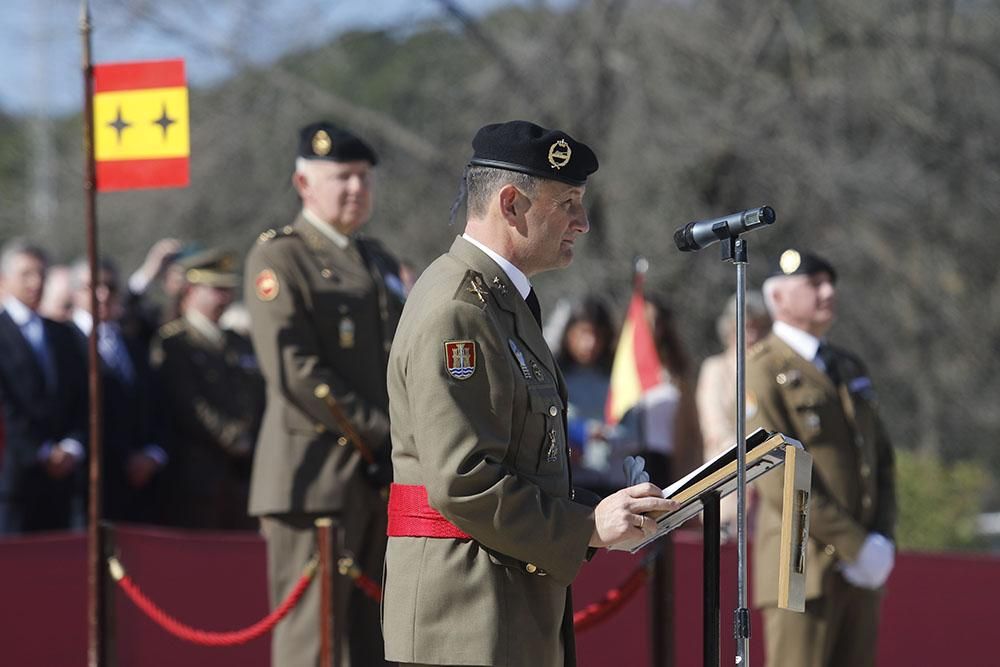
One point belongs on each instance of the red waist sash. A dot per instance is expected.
(410, 515)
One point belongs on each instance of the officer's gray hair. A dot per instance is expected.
(17, 247)
(484, 182)
(769, 287)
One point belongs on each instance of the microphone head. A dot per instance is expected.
(767, 215)
(683, 239)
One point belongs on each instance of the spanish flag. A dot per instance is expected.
(141, 125)
(636, 368)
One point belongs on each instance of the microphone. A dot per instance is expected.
(703, 233)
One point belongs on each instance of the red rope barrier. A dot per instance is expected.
(347, 567)
(205, 638)
(614, 599)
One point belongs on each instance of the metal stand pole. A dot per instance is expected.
(711, 551)
(736, 251)
(661, 602)
(328, 539)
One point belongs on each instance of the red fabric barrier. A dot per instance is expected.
(939, 608)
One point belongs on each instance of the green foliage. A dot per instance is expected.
(938, 503)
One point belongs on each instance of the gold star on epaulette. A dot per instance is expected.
(500, 285)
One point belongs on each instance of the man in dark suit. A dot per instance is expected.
(43, 394)
(131, 451)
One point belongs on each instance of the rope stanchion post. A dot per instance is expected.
(328, 541)
(109, 642)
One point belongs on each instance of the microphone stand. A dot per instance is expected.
(734, 249)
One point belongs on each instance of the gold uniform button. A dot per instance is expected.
(320, 428)
(342, 441)
(326, 273)
(553, 411)
(781, 378)
(866, 470)
(829, 550)
(866, 502)
(531, 568)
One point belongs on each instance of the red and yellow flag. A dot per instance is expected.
(636, 368)
(141, 125)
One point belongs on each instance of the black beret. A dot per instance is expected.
(326, 141)
(794, 262)
(521, 146)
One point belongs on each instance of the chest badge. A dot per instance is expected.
(346, 331)
(520, 358)
(552, 455)
(537, 370)
(460, 358)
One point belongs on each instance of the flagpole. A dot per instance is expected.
(95, 546)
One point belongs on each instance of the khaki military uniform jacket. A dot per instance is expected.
(853, 488)
(491, 451)
(320, 314)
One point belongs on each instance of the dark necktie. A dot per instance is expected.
(534, 306)
(828, 358)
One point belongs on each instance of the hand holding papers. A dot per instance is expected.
(764, 451)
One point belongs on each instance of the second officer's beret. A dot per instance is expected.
(519, 145)
(792, 262)
(325, 141)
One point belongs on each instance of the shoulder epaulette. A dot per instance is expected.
(172, 328)
(473, 289)
(275, 233)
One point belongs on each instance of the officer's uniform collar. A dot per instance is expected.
(802, 342)
(521, 282)
(327, 230)
(206, 327)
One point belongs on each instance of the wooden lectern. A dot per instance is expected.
(701, 491)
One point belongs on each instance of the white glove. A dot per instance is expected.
(635, 470)
(875, 561)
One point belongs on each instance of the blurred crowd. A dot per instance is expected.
(183, 395)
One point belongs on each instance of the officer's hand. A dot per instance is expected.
(621, 516)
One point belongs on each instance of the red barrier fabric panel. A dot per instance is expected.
(939, 608)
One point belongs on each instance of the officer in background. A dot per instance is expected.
(214, 396)
(324, 302)
(817, 393)
(485, 529)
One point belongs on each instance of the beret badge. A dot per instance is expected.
(790, 261)
(559, 154)
(321, 143)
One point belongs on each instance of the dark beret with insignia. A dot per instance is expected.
(521, 146)
(794, 262)
(326, 141)
(215, 268)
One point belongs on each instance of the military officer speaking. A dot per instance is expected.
(802, 386)
(485, 535)
(324, 302)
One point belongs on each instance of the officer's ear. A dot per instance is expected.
(300, 182)
(513, 204)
